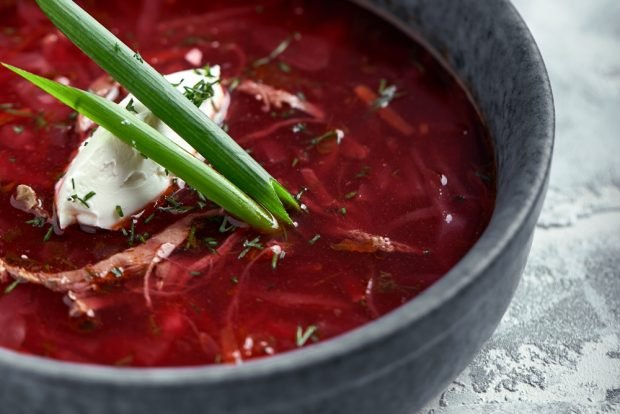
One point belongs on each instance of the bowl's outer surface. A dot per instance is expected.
(396, 364)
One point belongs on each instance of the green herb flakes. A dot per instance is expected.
(130, 107)
(336, 134)
(314, 239)
(117, 271)
(200, 92)
(386, 95)
(281, 48)
(48, 234)
(249, 245)
(37, 221)
(11, 287)
(304, 335)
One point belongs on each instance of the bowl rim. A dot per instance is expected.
(462, 275)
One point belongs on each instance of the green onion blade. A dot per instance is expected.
(148, 141)
(169, 105)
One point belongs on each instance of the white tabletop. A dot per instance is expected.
(557, 350)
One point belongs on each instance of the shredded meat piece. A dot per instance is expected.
(27, 200)
(105, 87)
(362, 242)
(271, 96)
(128, 263)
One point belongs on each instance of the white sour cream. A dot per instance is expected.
(117, 174)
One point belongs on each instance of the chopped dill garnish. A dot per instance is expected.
(276, 257)
(333, 134)
(284, 67)
(226, 226)
(90, 195)
(117, 47)
(119, 211)
(295, 162)
(363, 172)
(191, 239)
(300, 193)
(350, 195)
(37, 221)
(137, 57)
(304, 335)
(39, 120)
(200, 92)
(117, 271)
(249, 245)
(386, 95)
(211, 244)
(281, 48)
(234, 84)
(125, 361)
(314, 239)
(18, 129)
(130, 107)
(11, 287)
(299, 127)
(178, 83)
(174, 206)
(149, 218)
(132, 233)
(343, 211)
(82, 200)
(234, 280)
(195, 273)
(48, 235)
(143, 237)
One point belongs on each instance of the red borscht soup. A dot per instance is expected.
(383, 147)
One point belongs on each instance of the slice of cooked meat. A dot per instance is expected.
(128, 263)
(271, 96)
(27, 200)
(362, 242)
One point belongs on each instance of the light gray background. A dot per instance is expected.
(557, 350)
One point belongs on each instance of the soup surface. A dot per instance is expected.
(387, 153)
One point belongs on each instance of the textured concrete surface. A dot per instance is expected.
(557, 349)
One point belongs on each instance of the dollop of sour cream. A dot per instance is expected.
(108, 179)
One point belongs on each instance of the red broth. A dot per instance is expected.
(420, 172)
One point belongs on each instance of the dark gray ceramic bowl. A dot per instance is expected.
(396, 364)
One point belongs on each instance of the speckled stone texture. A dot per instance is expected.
(557, 350)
